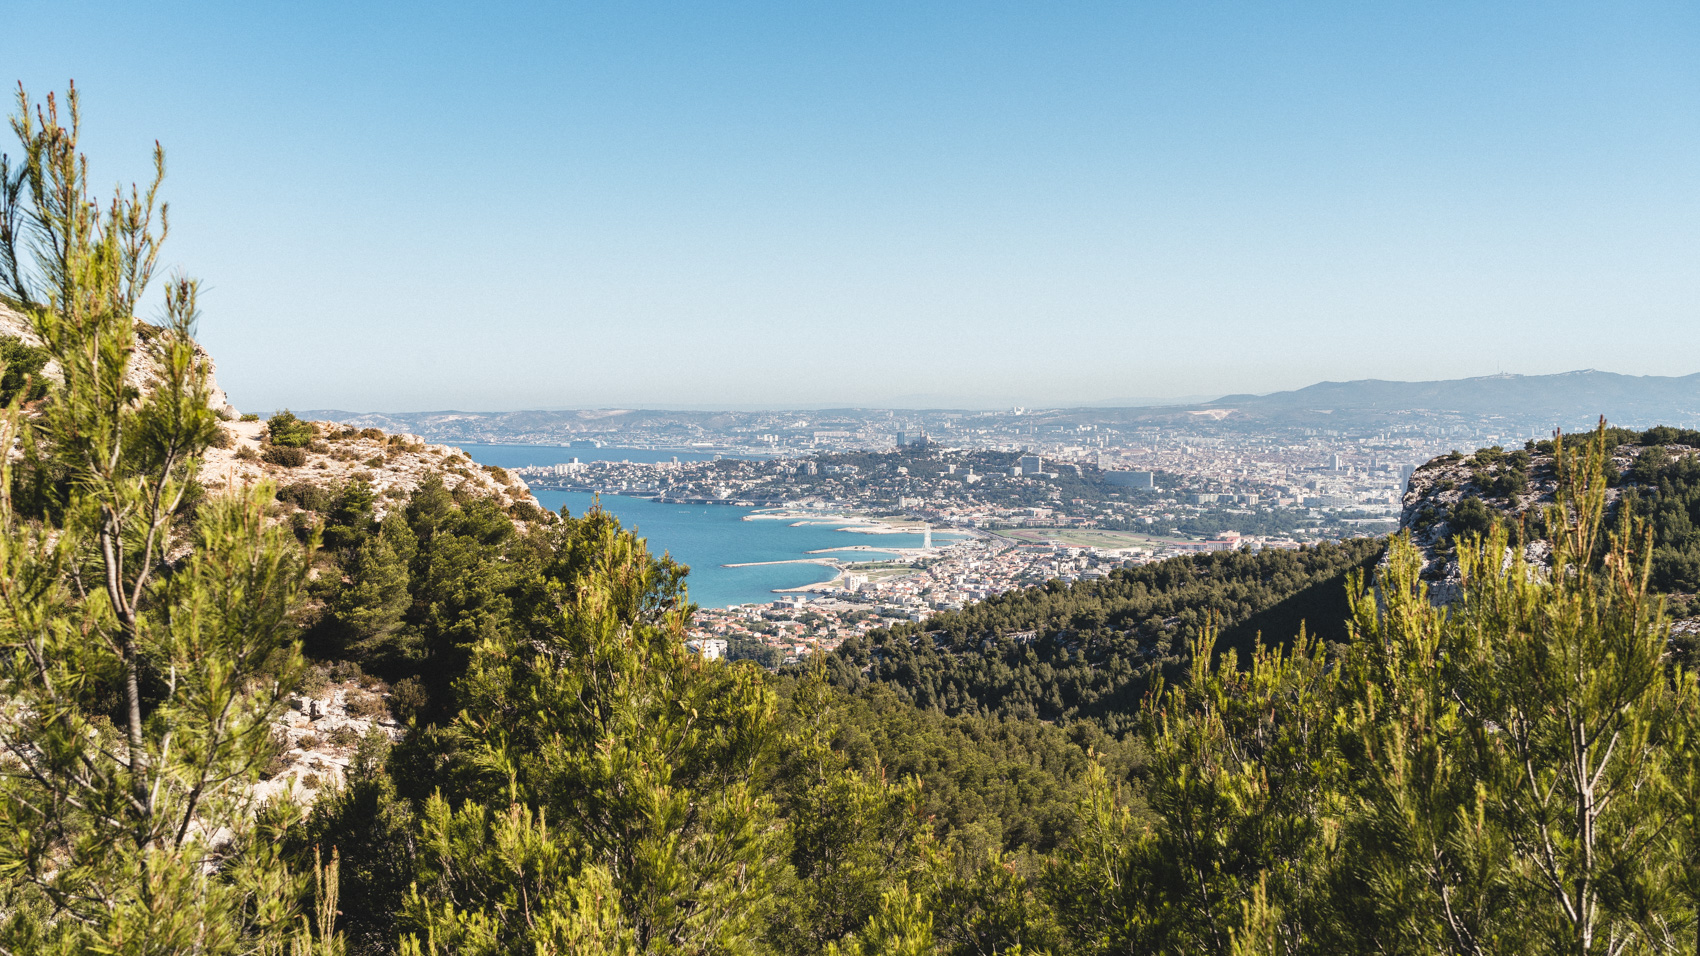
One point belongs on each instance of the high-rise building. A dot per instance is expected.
(1131, 479)
(1030, 464)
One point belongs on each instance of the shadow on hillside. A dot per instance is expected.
(1322, 609)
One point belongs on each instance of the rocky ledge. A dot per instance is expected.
(393, 465)
(1457, 494)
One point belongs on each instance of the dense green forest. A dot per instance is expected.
(1093, 649)
(1516, 773)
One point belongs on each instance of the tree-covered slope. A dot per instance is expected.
(1090, 650)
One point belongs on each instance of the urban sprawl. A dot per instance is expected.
(1007, 503)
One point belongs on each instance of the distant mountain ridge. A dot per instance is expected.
(1530, 404)
(1628, 399)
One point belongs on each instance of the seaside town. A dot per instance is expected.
(1014, 497)
(911, 585)
(998, 520)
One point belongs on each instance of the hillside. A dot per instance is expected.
(392, 465)
(1092, 650)
(1566, 398)
(1524, 403)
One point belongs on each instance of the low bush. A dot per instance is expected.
(246, 454)
(362, 704)
(343, 737)
(23, 370)
(1470, 516)
(306, 496)
(408, 699)
(287, 431)
(250, 417)
(284, 456)
(315, 681)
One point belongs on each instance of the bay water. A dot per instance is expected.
(705, 537)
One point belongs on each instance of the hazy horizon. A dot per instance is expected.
(529, 205)
(919, 403)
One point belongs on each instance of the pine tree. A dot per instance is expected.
(607, 788)
(1515, 749)
(143, 656)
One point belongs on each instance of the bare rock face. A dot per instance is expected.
(318, 737)
(144, 370)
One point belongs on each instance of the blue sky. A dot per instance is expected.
(499, 205)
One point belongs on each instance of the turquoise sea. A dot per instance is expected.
(705, 536)
(708, 536)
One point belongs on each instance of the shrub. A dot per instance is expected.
(302, 524)
(1470, 516)
(526, 511)
(315, 681)
(362, 704)
(222, 438)
(1507, 481)
(342, 671)
(250, 417)
(286, 457)
(246, 453)
(307, 742)
(376, 461)
(408, 699)
(287, 431)
(306, 495)
(23, 362)
(343, 737)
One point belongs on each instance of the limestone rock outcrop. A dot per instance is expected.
(144, 371)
